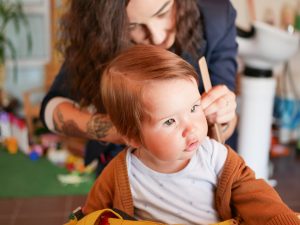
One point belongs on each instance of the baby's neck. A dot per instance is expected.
(159, 165)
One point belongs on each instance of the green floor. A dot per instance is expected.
(22, 177)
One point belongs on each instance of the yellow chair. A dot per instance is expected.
(110, 217)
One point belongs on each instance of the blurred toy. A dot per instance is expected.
(73, 178)
(5, 128)
(14, 127)
(20, 132)
(90, 168)
(57, 156)
(38, 149)
(49, 140)
(277, 149)
(74, 163)
(34, 155)
(36, 152)
(76, 177)
(11, 145)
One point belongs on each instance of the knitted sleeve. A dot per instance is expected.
(241, 194)
(111, 189)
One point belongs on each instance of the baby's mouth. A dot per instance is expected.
(192, 146)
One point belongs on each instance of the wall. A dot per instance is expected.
(273, 8)
(261, 7)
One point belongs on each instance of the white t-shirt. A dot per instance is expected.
(184, 197)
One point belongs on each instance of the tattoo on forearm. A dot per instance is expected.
(68, 127)
(98, 126)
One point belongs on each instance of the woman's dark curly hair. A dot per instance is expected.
(93, 32)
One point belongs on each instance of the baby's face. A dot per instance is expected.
(178, 124)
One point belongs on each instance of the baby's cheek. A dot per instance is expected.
(204, 124)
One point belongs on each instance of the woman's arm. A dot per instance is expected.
(60, 113)
(220, 52)
(70, 120)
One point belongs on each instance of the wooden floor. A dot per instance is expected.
(38, 211)
(287, 175)
(55, 210)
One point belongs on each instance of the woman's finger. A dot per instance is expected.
(214, 94)
(220, 118)
(222, 105)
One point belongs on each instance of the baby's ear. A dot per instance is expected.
(133, 143)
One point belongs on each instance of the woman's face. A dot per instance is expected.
(152, 22)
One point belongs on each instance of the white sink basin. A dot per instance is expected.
(268, 47)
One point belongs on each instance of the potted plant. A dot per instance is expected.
(11, 13)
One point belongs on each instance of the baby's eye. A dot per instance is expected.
(194, 108)
(169, 122)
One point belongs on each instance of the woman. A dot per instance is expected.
(94, 32)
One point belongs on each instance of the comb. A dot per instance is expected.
(207, 86)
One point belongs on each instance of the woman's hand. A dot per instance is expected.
(219, 106)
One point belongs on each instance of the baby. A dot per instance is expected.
(172, 172)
